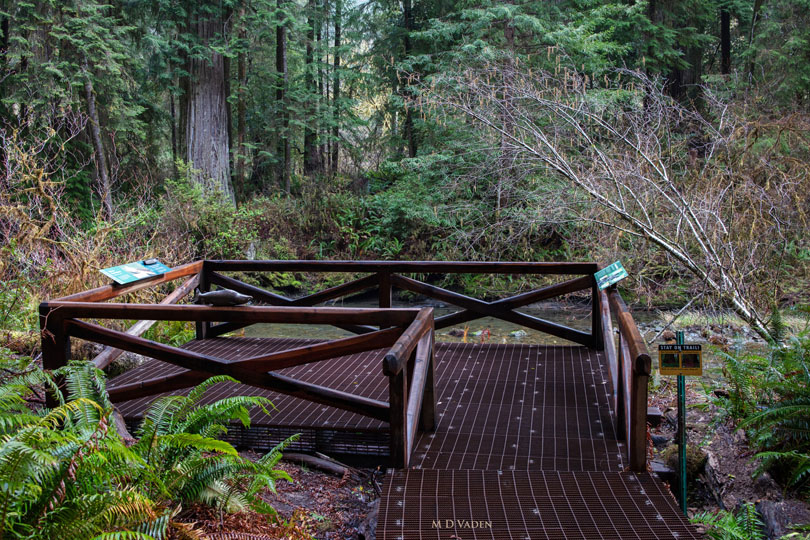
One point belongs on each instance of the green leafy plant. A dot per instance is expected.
(784, 420)
(798, 463)
(178, 441)
(724, 525)
(64, 473)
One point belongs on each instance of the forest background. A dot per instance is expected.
(670, 134)
(409, 130)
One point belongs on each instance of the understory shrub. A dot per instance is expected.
(65, 472)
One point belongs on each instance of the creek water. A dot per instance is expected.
(491, 330)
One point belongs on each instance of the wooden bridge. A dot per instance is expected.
(484, 440)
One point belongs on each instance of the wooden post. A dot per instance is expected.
(385, 289)
(203, 327)
(597, 336)
(427, 416)
(621, 401)
(55, 344)
(638, 413)
(398, 394)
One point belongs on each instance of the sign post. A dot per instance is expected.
(682, 431)
(681, 360)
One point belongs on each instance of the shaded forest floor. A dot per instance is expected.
(315, 505)
(721, 462)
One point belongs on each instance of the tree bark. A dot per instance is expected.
(281, 99)
(725, 40)
(241, 110)
(173, 113)
(206, 116)
(311, 162)
(407, 17)
(336, 90)
(101, 159)
(322, 100)
(754, 19)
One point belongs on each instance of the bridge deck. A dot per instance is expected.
(525, 445)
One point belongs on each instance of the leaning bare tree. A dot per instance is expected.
(644, 165)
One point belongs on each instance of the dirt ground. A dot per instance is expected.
(316, 505)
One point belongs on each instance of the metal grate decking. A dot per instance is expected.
(530, 505)
(525, 445)
(321, 428)
(498, 406)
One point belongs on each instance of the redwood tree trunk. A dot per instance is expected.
(322, 90)
(725, 40)
(336, 90)
(206, 115)
(241, 111)
(311, 161)
(281, 98)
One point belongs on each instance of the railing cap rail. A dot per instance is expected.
(194, 312)
(395, 359)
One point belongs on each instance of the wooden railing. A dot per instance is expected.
(408, 333)
(630, 364)
(387, 275)
(409, 364)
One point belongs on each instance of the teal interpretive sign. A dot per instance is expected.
(609, 275)
(136, 271)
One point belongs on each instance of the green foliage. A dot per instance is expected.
(725, 525)
(177, 440)
(784, 393)
(798, 465)
(744, 372)
(174, 333)
(770, 397)
(64, 473)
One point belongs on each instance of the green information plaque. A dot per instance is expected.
(609, 275)
(136, 271)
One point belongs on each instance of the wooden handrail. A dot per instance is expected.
(106, 292)
(405, 267)
(197, 362)
(409, 364)
(411, 391)
(252, 314)
(407, 342)
(262, 296)
(110, 354)
(634, 365)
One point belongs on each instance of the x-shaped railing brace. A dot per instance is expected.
(256, 371)
(472, 307)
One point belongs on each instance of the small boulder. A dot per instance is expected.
(660, 441)
(773, 517)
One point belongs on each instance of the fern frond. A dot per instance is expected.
(224, 410)
(196, 394)
(725, 525)
(198, 442)
(123, 535)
